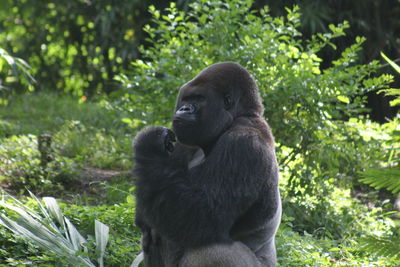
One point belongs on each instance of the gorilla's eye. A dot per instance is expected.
(227, 101)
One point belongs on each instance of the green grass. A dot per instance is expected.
(47, 112)
(88, 132)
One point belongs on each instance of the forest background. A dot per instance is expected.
(78, 80)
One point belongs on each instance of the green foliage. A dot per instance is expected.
(124, 239)
(379, 27)
(304, 104)
(386, 176)
(294, 249)
(83, 131)
(12, 69)
(392, 91)
(21, 169)
(391, 63)
(76, 46)
(385, 246)
(83, 134)
(382, 178)
(52, 231)
(16, 252)
(95, 147)
(6, 128)
(355, 222)
(301, 250)
(118, 190)
(318, 214)
(123, 243)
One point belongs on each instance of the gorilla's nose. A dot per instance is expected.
(186, 109)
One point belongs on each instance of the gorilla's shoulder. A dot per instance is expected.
(255, 130)
(245, 137)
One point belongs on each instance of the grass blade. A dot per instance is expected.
(139, 258)
(101, 231)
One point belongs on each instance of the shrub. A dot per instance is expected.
(21, 168)
(50, 230)
(304, 104)
(93, 147)
(87, 132)
(12, 70)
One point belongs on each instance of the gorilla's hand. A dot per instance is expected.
(154, 141)
(169, 137)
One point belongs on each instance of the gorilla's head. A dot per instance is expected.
(210, 103)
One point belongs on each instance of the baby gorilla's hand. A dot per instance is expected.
(154, 141)
(169, 138)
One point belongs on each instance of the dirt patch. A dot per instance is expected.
(91, 180)
(90, 175)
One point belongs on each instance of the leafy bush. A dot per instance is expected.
(87, 132)
(14, 251)
(124, 241)
(304, 104)
(93, 147)
(50, 230)
(73, 146)
(320, 246)
(386, 176)
(393, 91)
(74, 47)
(294, 249)
(123, 238)
(21, 168)
(6, 128)
(13, 69)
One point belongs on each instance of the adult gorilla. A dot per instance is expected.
(211, 199)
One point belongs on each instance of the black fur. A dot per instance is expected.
(232, 194)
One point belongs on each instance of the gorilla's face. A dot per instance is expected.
(208, 104)
(202, 113)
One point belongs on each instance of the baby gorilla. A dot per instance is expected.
(212, 198)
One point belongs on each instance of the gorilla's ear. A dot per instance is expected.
(228, 102)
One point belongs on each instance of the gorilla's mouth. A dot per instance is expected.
(182, 125)
(187, 132)
(182, 120)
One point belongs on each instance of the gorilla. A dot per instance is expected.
(209, 198)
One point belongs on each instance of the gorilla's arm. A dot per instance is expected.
(199, 206)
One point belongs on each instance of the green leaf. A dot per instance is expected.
(54, 209)
(139, 258)
(395, 102)
(394, 65)
(101, 231)
(74, 236)
(387, 178)
(383, 246)
(343, 99)
(43, 232)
